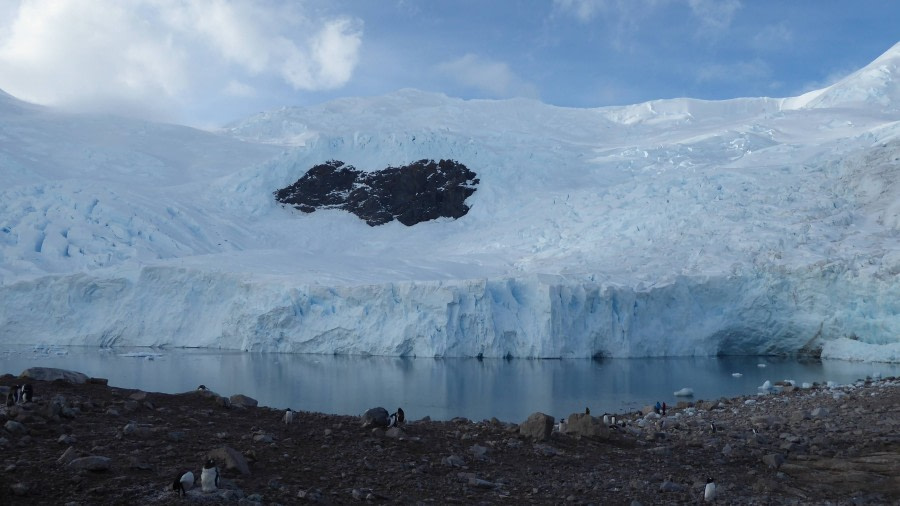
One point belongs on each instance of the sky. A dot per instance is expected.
(208, 62)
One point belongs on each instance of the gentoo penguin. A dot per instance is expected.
(562, 425)
(288, 416)
(709, 494)
(396, 418)
(712, 427)
(183, 482)
(209, 477)
(587, 411)
(13, 396)
(202, 388)
(27, 394)
(605, 419)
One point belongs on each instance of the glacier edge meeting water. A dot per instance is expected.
(811, 312)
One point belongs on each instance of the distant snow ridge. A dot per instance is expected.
(673, 227)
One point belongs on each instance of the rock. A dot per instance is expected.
(580, 424)
(263, 438)
(67, 456)
(232, 458)
(538, 426)
(52, 374)
(92, 463)
(66, 439)
(242, 400)
(819, 413)
(98, 381)
(375, 417)
(394, 432)
(479, 483)
(773, 460)
(421, 191)
(453, 461)
(223, 402)
(138, 396)
(14, 427)
(134, 430)
(479, 452)
(20, 489)
(670, 486)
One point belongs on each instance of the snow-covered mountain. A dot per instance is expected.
(673, 227)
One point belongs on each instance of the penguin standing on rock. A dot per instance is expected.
(288, 416)
(709, 493)
(183, 482)
(209, 477)
(13, 396)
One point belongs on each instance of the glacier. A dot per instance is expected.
(670, 228)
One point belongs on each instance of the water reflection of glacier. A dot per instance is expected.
(440, 388)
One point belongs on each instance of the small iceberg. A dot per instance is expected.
(685, 392)
(760, 365)
(736, 374)
(766, 387)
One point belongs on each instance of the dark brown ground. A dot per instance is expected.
(842, 450)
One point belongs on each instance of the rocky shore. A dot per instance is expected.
(87, 443)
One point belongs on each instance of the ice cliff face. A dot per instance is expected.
(676, 227)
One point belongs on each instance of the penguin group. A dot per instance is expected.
(209, 479)
(20, 394)
(397, 418)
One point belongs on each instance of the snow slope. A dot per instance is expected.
(673, 227)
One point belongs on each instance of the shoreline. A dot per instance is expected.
(809, 446)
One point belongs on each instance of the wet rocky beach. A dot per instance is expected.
(92, 443)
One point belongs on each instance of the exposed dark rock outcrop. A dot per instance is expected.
(421, 191)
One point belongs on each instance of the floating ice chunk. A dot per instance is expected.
(832, 384)
(766, 387)
(685, 392)
(760, 365)
(806, 385)
(736, 374)
(142, 354)
(790, 382)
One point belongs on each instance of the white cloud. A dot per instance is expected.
(584, 10)
(714, 15)
(773, 38)
(152, 54)
(492, 77)
(239, 89)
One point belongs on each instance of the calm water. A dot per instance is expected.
(440, 388)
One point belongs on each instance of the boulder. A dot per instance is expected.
(580, 424)
(538, 426)
(52, 374)
(375, 417)
(232, 458)
(241, 400)
(91, 463)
